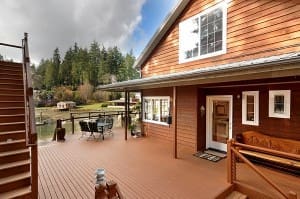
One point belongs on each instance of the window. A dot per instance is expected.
(279, 103)
(156, 109)
(250, 108)
(203, 35)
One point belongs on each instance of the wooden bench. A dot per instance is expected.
(291, 165)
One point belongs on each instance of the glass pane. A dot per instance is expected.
(218, 36)
(211, 47)
(155, 110)
(218, 13)
(210, 28)
(204, 30)
(279, 104)
(203, 50)
(204, 40)
(218, 25)
(211, 38)
(203, 20)
(164, 110)
(220, 121)
(218, 46)
(210, 17)
(250, 108)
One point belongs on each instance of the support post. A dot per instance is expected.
(72, 121)
(126, 114)
(229, 163)
(175, 120)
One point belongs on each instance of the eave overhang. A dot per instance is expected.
(160, 32)
(270, 67)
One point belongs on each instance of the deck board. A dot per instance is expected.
(142, 167)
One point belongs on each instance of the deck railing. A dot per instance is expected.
(233, 153)
(95, 114)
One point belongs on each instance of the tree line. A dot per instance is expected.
(96, 65)
(76, 75)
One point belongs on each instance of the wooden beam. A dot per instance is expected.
(175, 120)
(126, 115)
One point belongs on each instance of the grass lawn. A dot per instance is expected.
(93, 107)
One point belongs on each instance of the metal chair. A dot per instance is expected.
(84, 128)
(95, 129)
(110, 125)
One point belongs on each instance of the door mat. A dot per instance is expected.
(207, 156)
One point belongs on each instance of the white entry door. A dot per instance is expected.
(218, 121)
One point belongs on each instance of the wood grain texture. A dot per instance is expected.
(255, 29)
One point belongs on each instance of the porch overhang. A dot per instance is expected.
(270, 67)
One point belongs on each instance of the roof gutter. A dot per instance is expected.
(253, 66)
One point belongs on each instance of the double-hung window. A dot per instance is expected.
(203, 35)
(156, 109)
(279, 103)
(250, 108)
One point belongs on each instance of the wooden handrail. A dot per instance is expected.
(269, 151)
(232, 152)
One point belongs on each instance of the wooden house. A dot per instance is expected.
(219, 68)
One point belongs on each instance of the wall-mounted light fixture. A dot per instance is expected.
(202, 110)
(238, 96)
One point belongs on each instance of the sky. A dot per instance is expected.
(128, 24)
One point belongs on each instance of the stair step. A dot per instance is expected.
(19, 91)
(14, 182)
(12, 110)
(10, 64)
(12, 135)
(17, 193)
(13, 168)
(12, 145)
(12, 126)
(236, 195)
(9, 79)
(4, 104)
(12, 118)
(14, 156)
(11, 86)
(11, 97)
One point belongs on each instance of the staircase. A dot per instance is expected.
(18, 150)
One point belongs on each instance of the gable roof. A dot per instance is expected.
(160, 32)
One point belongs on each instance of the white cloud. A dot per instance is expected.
(56, 23)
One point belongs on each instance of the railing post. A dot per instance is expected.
(292, 195)
(231, 162)
(72, 120)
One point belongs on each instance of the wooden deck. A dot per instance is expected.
(142, 167)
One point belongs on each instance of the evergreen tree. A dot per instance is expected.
(94, 63)
(66, 67)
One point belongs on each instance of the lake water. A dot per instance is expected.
(45, 132)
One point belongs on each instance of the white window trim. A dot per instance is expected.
(287, 103)
(256, 107)
(222, 5)
(155, 97)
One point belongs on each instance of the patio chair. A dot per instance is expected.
(95, 129)
(110, 125)
(84, 128)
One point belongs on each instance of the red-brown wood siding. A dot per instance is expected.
(255, 29)
(186, 117)
(279, 127)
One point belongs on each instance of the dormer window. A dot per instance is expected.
(203, 35)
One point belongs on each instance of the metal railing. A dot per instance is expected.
(233, 153)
